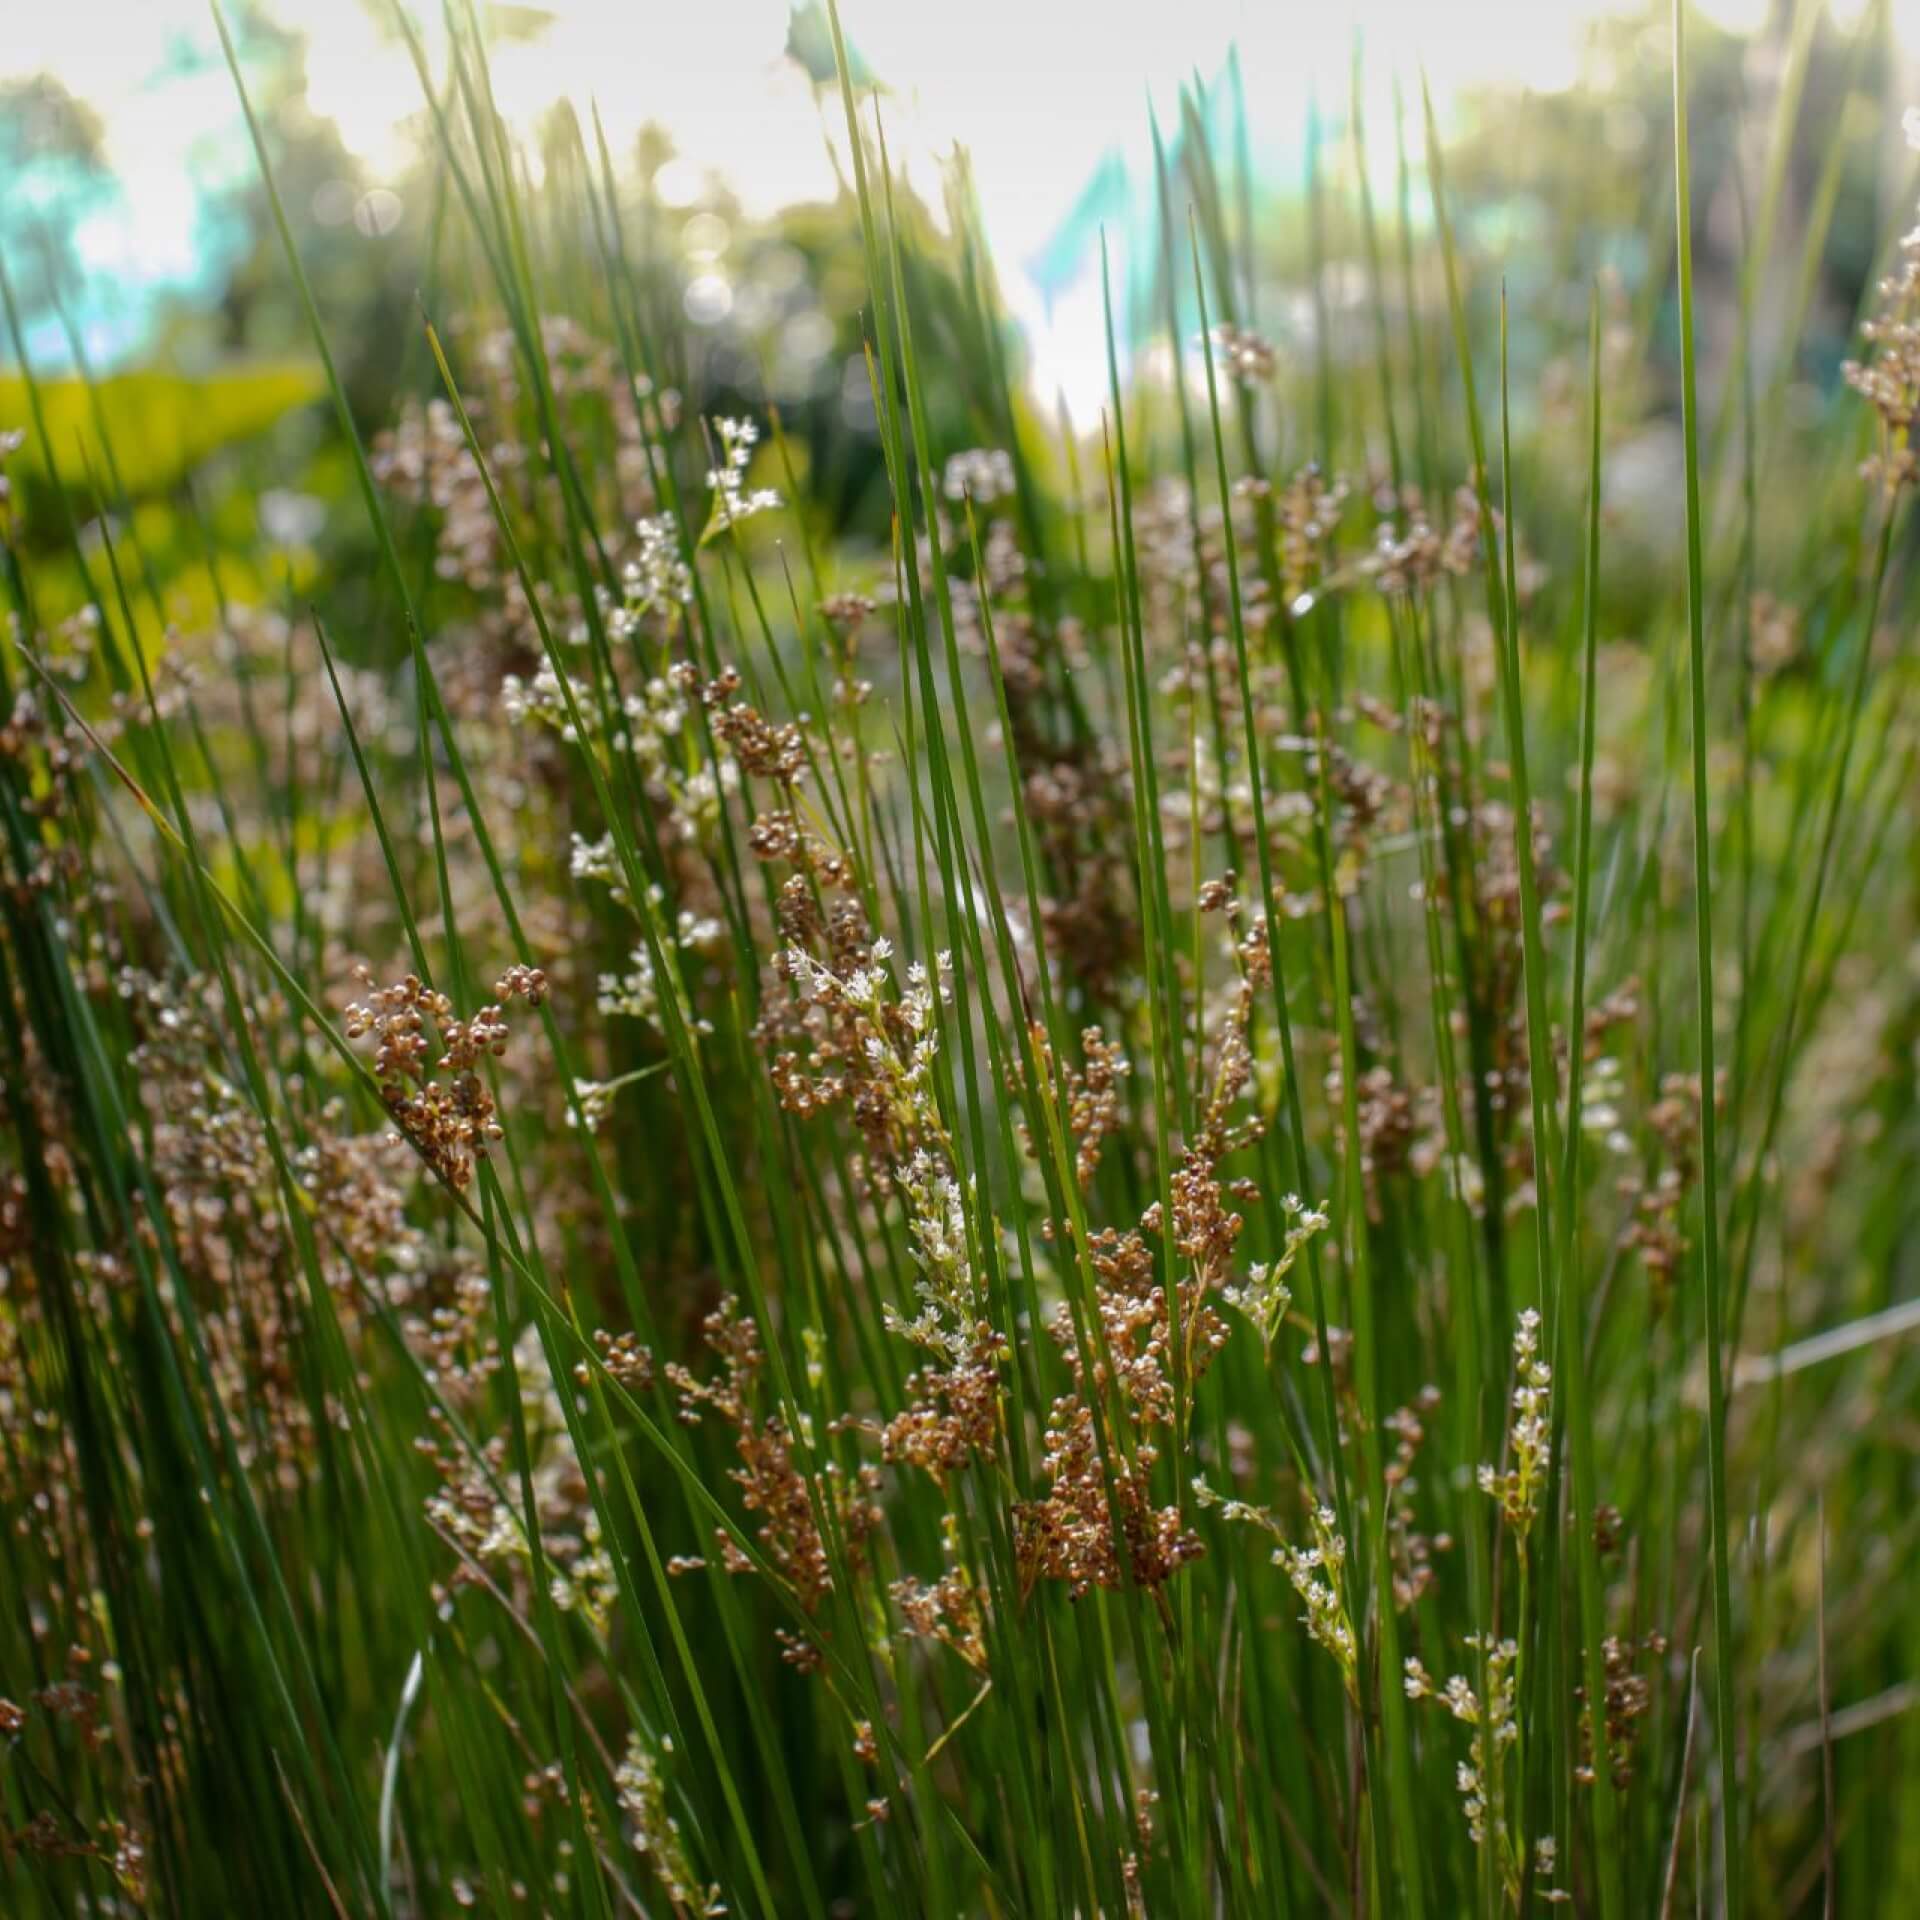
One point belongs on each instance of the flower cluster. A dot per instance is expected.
(1629, 1697)
(770, 1479)
(438, 1101)
(1415, 555)
(873, 1046)
(1487, 1785)
(1889, 380)
(1496, 1728)
(1318, 1576)
(1094, 1098)
(656, 579)
(654, 1833)
(951, 1611)
(1530, 1439)
(1317, 1573)
(1246, 356)
(1264, 1296)
(980, 474)
(1070, 1535)
(732, 500)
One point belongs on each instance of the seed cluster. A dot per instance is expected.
(427, 1063)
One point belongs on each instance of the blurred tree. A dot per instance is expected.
(53, 161)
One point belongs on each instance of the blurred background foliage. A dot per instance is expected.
(215, 378)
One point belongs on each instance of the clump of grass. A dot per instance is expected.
(1108, 1268)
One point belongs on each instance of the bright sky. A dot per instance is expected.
(1038, 90)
